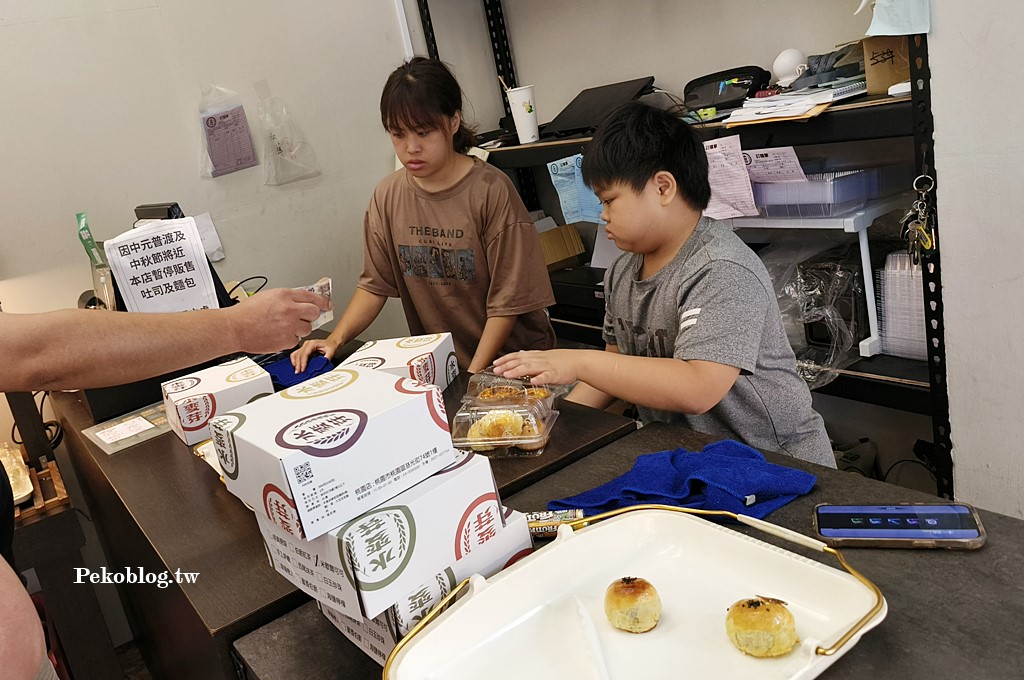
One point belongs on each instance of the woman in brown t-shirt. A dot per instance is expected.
(448, 234)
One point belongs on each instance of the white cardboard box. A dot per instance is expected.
(427, 358)
(191, 401)
(311, 566)
(448, 518)
(379, 635)
(319, 453)
(393, 548)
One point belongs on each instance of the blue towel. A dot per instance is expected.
(283, 375)
(726, 475)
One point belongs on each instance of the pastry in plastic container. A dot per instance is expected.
(503, 429)
(487, 388)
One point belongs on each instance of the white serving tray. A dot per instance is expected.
(544, 616)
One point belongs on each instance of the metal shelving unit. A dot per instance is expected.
(856, 222)
(887, 381)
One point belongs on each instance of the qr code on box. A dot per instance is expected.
(303, 473)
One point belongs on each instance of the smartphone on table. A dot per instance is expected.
(900, 525)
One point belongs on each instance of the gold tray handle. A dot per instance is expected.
(767, 527)
(431, 615)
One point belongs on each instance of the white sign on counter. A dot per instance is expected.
(162, 267)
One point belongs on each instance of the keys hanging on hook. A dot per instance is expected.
(924, 242)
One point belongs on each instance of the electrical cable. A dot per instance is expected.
(885, 476)
(52, 428)
(251, 278)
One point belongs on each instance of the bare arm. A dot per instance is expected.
(22, 645)
(74, 348)
(587, 395)
(362, 309)
(664, 384)
(496, 332)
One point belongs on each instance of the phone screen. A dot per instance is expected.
(949, 521)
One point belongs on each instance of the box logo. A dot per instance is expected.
(247, 373)
(221, 428)
(479, 524)
(367, 362)
(462, 457)
(195, 411)
(323, 434)
(435, 400)
(377, 547)
(416, 605)
(181, 384)
(417, 341)
(451, 367)
(281, 510)
(422, 368)
(338, 379)
(518, 556)
(367, 345)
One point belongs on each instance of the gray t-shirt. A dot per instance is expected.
(715, 302)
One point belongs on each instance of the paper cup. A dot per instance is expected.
(524, 113)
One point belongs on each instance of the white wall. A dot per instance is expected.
(562, 47)
(99, 114)
(979, 142)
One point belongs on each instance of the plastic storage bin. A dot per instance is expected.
(827, 194)
(831, 194)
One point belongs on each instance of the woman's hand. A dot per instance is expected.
(300, 357)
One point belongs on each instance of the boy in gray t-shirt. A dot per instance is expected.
(692, 326)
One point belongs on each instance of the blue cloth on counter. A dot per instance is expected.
(283, 375)
(726, 475)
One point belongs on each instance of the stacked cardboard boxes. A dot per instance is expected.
(359, 494)
(191, 401)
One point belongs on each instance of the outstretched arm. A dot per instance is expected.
(362, 309)
(663, 384)
(496, 332)
(74, 348)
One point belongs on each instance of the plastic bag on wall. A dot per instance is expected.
(287, 156)
(225, 141)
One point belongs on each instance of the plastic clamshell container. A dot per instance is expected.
(488, 389)
(496, 429)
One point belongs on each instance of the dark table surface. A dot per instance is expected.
(159, 507)
(952, 614)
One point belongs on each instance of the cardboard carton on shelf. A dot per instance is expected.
(427, 358)
(886, 60)
(192, 400)
(561, 245)
(323, 452)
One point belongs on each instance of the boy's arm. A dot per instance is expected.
(661, 384)
(496, 332)
(588, 395)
